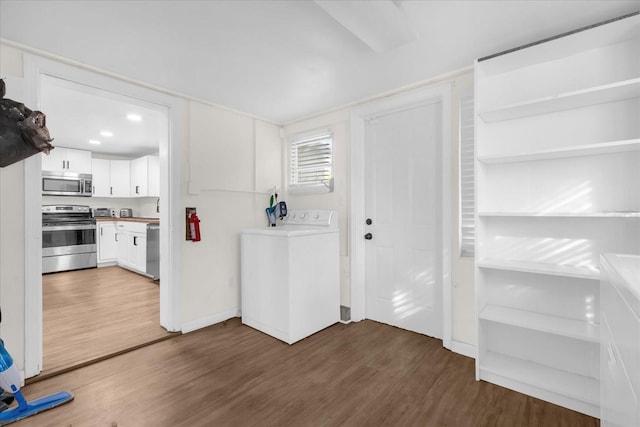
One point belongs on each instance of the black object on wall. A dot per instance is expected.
(23, 132)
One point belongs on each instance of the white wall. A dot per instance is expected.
(229, 164)
(338, 122)
(142, 206)
(12, 228)
(229, 159)
(463, 306)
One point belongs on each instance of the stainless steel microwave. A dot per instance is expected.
(66, 184)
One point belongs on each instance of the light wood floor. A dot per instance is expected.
(95, 313)
(361, 374)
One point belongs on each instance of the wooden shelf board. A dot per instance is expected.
(571, 328)
(540, 268)
(611, 147)
(561, 214)
(565, 101)
(555, 380)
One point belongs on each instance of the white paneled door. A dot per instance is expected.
(403, 192)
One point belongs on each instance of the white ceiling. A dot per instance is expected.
(283, 60)
(77, 114)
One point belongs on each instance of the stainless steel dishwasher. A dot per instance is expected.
(153, 250)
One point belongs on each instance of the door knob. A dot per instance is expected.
(368, 236)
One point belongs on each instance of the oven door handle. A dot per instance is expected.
(69, 227)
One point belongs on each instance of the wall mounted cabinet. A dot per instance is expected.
(62, 159)
(111, 178)
(126, 178)
(101, 171)
(145, 177)
(558, 183)
(120, 176)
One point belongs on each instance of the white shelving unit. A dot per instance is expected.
(558, 183)
(571, 328)
(571, 151)
(574, 215)
(540, 268)
(565, 101)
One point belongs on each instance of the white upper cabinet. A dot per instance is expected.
(120, 178)
(62, 159)
(101, 170)
(145, 177)
(557, 185)
(110, 178)
(126, 178)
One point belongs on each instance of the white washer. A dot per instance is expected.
(290, 275)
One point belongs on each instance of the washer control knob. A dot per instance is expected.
(303, 215)
(317, 216)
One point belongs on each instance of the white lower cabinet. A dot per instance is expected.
(132, 246)
(107, 243)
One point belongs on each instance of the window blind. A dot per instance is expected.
(311, 164)
(467, 177)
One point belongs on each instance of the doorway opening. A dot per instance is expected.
(37, 71)
(92, 313)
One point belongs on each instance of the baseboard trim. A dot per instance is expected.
(209, 320)
(464, 349)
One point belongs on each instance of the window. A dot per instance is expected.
(467, 178)
(311, 162)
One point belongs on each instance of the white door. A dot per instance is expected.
(403, 192)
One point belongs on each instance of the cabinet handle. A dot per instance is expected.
(137, 189)
(101, 230)
(135, 240)
(111, 190)
(116, 235)
(63, 164)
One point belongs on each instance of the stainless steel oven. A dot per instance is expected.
(68, 238)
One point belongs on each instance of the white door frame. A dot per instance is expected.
(442, 94)
(170, 192)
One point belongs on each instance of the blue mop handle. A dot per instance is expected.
(9, 375)
(5, 358)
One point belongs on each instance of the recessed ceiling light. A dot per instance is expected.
(134, 117)
(106, 133)
(94, 142)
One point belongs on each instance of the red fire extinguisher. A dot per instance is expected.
(194, 226)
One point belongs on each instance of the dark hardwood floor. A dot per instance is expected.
(92, 314)
(361, 374)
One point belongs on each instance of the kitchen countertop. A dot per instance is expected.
(132, 219)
